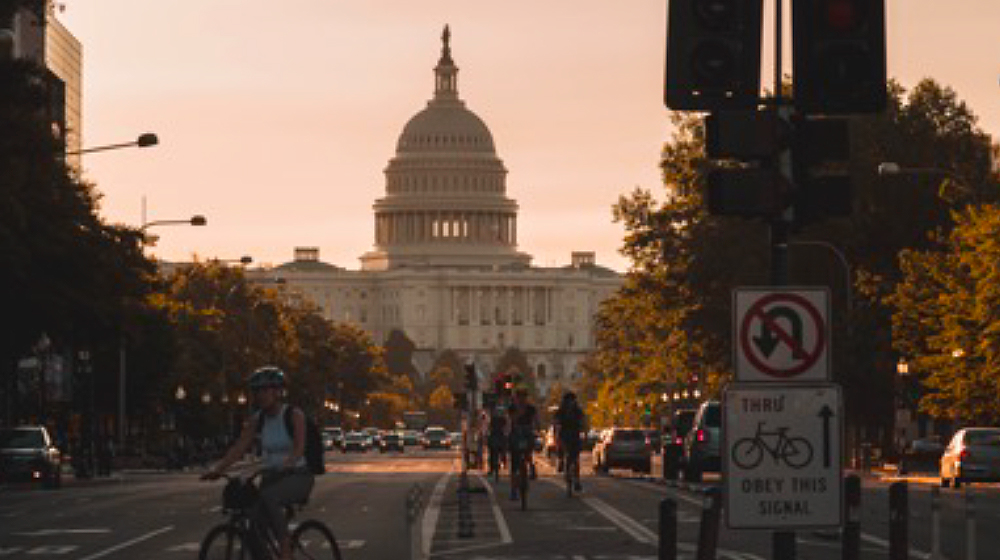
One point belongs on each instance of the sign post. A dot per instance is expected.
(782, 459)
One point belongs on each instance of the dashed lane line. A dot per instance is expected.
(129, 543)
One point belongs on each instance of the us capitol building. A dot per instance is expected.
(445, 268)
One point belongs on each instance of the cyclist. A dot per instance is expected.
(496, 439)
(522, 417)
(286, 478)
(570, 423)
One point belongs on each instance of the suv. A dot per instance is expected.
(623, 447)
(703, 441)
(28, 453)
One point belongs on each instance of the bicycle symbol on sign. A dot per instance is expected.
(796, 452)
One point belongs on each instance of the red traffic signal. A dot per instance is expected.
(839, 56)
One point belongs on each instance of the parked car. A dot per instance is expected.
(372, 434)
(390, 441)
(673, 441)
(654, 440)
(28, 453)
(623, 447)
(702, 443)
(973, 455)
(436, 437)
(355, 441)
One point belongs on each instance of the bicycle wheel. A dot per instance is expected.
(797, 452)
(747, 453)
(312, 540)
(225, 542)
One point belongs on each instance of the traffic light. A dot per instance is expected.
(471, 379)
(713, 54)
(819, 165)
(839, 56)
(748, 184)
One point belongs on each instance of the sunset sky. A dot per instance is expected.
(277, 119)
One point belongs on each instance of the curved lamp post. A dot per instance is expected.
(144, 140)
(891, 168)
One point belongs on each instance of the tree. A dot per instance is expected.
(67, 273)
(945, 319)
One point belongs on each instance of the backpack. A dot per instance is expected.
(571, 420)
(313, 451)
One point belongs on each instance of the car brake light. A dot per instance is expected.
(702, 436)
(964, 455)
(679, 440)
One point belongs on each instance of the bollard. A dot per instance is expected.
(970, 525)
(668, 530)
(414, 513)
(899, 546)
(708, 536)
(935, 523)
(783, 545)
(851, 536)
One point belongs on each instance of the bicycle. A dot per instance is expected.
(520, 471)
(796, 452)
(571, 468)
(239, 537)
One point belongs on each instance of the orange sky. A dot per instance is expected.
(276, 120)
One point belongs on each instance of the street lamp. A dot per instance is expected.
(891, 168)
(196, 220)
(144, 140)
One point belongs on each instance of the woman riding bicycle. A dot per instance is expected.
(287, 479)
(523, 423)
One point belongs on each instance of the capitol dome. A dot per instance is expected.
(446, 198)
(445, 126)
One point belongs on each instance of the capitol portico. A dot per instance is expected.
(445, 267)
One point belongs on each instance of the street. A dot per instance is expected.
(363, 497)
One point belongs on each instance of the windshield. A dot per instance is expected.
(630, 435)
(21, 438)
(982, 437)
(712, 417)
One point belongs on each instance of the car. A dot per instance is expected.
(623, 447)
(333, 438)
(703, 442)
(355, 441)
(411, 437)
(972, 455)
(390, 441)
(373, 435)
(28, 453)
(922, 454)
(654, 440)
(673, 441)
(436, 437)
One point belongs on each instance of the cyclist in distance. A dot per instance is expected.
(496, 439)
(523, 420)
(570, 423)
(286, 478)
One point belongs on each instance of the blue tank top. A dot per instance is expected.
(275, 441)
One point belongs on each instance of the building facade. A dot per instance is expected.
(445, 268)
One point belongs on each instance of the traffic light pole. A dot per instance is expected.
(782, 542)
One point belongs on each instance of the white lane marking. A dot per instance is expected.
(47, 532)
(627, 524)
(351, 544)
(505, 535)
(431, 514)
(885, 544)
(186, 547)
(127, 544)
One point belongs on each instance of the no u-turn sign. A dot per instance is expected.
(781, 335)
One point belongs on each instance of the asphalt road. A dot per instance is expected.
(165, 516)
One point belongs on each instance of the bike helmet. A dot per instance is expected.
(267, 376)
(569, 396)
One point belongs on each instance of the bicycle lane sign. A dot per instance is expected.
(781, 335)
(781, 456)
